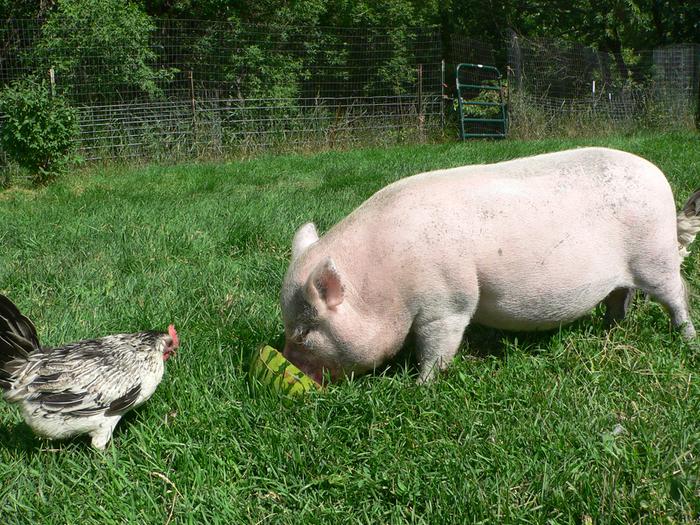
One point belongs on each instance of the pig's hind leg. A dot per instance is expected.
(437, 342)
(671, 293)
(677, 305)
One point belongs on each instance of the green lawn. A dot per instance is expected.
(553, 428)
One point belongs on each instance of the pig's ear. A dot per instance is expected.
(325, 285)
(303, 238)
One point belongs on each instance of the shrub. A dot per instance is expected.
(38, 130)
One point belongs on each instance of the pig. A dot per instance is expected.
(526, 244)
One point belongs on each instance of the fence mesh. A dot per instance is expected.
(188, 87)
(197, 86)
(564, 82)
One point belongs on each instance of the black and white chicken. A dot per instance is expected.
(83, 387)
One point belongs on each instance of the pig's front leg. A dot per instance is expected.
(616, 305)
(437, 343)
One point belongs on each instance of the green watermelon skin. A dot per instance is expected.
(271, 368)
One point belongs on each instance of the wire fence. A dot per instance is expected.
(559, 84)
(199, 86)
(186, 87)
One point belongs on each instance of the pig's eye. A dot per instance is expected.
(300, 334)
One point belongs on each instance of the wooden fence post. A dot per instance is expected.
(421, 117)
(194, 107)
(52, 80)
(442, 94)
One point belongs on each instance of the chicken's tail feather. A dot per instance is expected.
(17, 340)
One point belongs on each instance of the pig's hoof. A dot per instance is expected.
(688, 332)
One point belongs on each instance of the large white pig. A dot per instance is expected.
(527, 244)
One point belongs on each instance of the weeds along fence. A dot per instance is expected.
(182, 88)
(564, 87)
(194, 87)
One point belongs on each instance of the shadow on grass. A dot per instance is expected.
(480, 342)
(21, 438)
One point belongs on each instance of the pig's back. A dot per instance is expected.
(600, 186)
(578, 171)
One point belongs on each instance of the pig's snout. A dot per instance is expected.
(299, 357)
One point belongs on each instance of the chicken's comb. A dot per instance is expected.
(173, 334)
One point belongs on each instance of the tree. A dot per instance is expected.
(101, 48)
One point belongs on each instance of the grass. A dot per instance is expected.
(576, 426)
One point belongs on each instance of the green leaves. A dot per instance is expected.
(101, 48)
(39, 129)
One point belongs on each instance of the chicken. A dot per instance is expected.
(83, 387)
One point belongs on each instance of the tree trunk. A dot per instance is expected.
(658, 22)
(615, 47)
